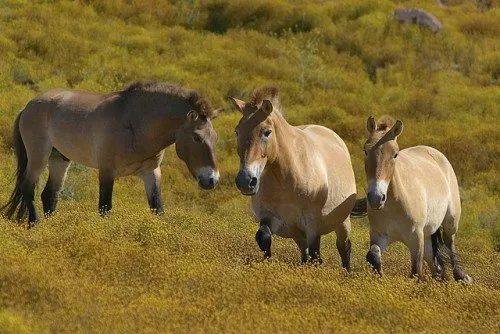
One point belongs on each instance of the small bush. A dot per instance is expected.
(481, 25)
(496, 235)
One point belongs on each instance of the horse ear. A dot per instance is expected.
(397, 129)
(192, 116)
(267, 107)
(238, 104)
(370, 124)
(216, 113)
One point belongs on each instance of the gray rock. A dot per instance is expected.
(418, 16)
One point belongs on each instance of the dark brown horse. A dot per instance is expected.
(120, 133)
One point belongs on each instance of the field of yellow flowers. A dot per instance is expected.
(197, 268)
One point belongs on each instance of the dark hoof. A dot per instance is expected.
(460, 276)
(316, 261)
(32, 224)
(104, 211)
(158, 212)
(419, 278)
(48, 214)
(440, 272)
(263, 238)
(374, 261)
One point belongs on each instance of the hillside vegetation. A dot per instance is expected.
(198, 268)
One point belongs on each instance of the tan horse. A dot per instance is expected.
(121, 133)
(300, 178)
(411, 194)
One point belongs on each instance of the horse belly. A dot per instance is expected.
(289, 220)
(436, 211)
(73, 137)
(138, 167)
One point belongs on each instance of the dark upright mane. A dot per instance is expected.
(270, 93)
(385, 123)
(194, 98)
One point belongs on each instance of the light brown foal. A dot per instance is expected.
(412, 193)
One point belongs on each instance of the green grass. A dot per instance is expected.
(198, 268)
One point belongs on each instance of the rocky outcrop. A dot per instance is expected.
(418, 16)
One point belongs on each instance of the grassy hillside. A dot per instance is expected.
(197, 268)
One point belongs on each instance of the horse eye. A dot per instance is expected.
(395, 155)
(267, 132)
(197, 138)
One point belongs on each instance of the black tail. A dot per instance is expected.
(360, 208)
(16, 203)
(442, 253)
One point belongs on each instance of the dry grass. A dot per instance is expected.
(198, 268)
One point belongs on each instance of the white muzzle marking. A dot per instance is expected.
(206, 173)
(378, 187)
(255, 169)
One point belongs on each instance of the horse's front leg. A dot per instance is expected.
(417, 253)
(263, 237)
(314, 247)
(343, 243)
(378, 243)
(106, 181)
(152, 184)
(304, 251)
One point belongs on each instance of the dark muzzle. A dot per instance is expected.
(247, 183)
(376, 200)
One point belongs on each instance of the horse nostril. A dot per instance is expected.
(211, 182)
(383, 197)
(253, 182)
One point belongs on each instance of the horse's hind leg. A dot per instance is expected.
(58, 167)
(38, 152)
(450, 227)
(152, 184)
(458, 273)
(344, 243)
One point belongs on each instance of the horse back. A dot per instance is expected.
(71, 100)
(68, 119)
(426, 185)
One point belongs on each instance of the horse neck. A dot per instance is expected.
(285, 168)
(162, 123)
(396, 189)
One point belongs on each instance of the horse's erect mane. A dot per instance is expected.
(194, 98)
(385, 123)
(270, 93)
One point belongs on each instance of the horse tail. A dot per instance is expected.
(439, 249)
(360, 208)
(15, 202)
